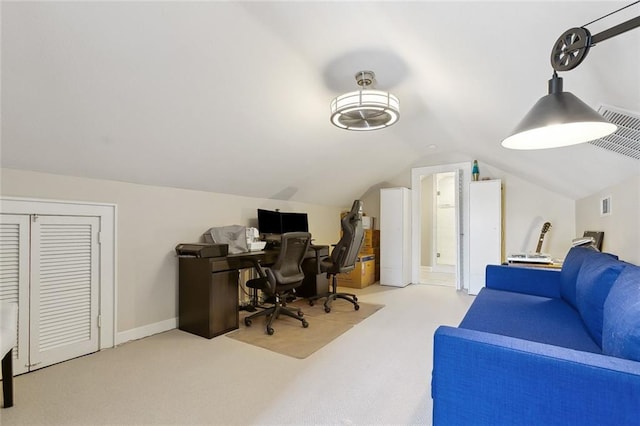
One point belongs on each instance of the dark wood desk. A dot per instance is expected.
(208, 288)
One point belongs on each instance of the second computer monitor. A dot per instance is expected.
(294, 222)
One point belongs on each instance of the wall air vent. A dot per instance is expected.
(625, 140)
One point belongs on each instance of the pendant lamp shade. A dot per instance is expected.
(556, 120)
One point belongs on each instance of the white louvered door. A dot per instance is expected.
(64, 290)
(14, 279)
(50, 266)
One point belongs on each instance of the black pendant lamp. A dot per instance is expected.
(560, 118)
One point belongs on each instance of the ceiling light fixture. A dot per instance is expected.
(365, 109)
(560, 118)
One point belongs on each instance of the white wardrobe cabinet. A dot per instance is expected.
(50, 268)
(485, 230)
(395, 237)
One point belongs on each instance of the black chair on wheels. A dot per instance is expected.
(343, 257)
(281, 279)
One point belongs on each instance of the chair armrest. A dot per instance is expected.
(484, 378)
(257, 266)
(534, 281)
(319, 256)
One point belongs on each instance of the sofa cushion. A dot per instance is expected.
(570, 269)
(621, 326)
(595, 279)
(536, 318)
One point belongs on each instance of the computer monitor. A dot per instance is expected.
(276, 223)
(269, 222)
(294, 222)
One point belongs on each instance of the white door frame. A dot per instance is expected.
(108, 244)
(463, 215)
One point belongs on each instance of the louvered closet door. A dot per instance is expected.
(64, 288)
(14, 279)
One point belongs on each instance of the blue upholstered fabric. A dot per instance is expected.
(528, 317)
(595, 279)
(487, 379)
(621, 328)
(570, 269)
(569, 273)
(529, 359)
(536, 281)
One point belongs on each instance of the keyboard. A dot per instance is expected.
(530, 258)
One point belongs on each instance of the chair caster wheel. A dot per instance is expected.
(310, 302)
(356, 307)
(355, 299)
(247, 322)
(327, 309)
(305, 324)
(270, 331)
(300, 314)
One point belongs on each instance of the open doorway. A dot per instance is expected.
(440, 218)
(438, 249)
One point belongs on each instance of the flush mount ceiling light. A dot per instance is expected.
(365, 109)
(560, 118)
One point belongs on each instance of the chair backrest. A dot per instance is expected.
(345, 253)
(287, 270)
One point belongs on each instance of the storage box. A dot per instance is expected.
(365, 251)
(371, 238)
(368, 222)
(370, 250)
(363, 274)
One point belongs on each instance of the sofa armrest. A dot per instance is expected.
(534, 281)
(488, 379)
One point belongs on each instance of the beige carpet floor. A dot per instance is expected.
(291, 339)
(377, 373)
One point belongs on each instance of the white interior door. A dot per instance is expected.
(64, 288)
(14, 279)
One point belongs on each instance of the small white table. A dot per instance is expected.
(8, 338)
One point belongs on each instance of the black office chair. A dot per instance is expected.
(343, 257)
(281, 279)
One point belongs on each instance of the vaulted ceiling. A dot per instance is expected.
(233, 97)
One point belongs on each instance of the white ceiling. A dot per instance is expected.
(233, 97)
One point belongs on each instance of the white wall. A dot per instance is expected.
(526, 207)
(622, 227)
(151, 222)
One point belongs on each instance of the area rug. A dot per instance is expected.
(291, 339)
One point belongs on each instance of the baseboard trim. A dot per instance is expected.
(146, 331)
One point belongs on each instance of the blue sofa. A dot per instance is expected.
(544, 347)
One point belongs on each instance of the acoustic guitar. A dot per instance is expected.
(545, 228)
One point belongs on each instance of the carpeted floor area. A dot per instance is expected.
(376, 373)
